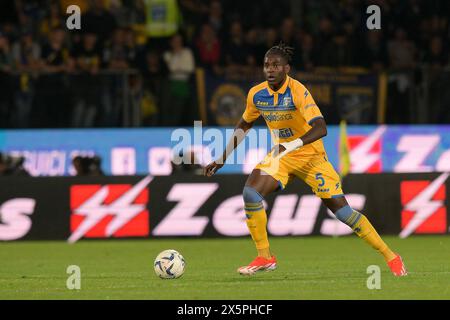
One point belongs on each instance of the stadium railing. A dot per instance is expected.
(36, 99)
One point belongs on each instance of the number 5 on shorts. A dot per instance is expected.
(321, 179)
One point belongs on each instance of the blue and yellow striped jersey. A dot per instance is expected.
(288, 113)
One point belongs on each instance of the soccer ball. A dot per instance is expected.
(169, 264)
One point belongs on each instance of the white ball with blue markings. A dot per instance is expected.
(169, 264)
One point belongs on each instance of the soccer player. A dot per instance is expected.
(297, 127)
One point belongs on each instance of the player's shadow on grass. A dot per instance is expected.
(270, 277)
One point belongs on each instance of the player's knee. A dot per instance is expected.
(251, 195)
(344, 213)
(348, 216)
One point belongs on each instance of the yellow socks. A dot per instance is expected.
(257, 223)
(257, 220)
(364, 229)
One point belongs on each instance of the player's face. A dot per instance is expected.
(275, 69)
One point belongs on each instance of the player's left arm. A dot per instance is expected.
(318, 131)
(312, 115)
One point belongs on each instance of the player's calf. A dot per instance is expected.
(256, 220)
(364, 229)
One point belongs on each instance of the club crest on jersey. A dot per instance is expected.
(287, 101)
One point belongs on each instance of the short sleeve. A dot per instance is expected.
(251, 113)
(308, 106)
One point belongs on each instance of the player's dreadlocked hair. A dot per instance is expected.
(283, 50)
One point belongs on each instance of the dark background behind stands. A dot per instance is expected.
(51, 77)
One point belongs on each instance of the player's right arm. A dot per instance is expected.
(238, 135)
(243, 126)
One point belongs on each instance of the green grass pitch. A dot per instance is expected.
(309, 268)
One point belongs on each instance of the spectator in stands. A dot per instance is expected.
(402, 52)
(132, 48)
(12, 166)
(154, 66)
(215, 17)
(117, 56)
(435, 59)
(128, 12)
(325, 39)
(26, 54)
(117, 59)
(236, 52)
(402, 60)
(155, 88)
(55, 53)
(436, 56)
(270, 39)
(49, 111)
(341, 51)
(438, 25)
(99, 20)
(353, 40)
(30, 14)
(307, 54)
(6, 57)
(87, 55)
(374, 52)
(208, 49)
(6, 82)
(87, 58)
(53, 20)
(180, 62)
(287, 32)
(416, 32)
(194, 11)
(163, 20)
(255, 47)
(87, 166)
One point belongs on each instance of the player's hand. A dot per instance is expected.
(278, 149)
(212, 168)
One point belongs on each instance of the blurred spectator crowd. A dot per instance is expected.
(54, 77)
(12, 166)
